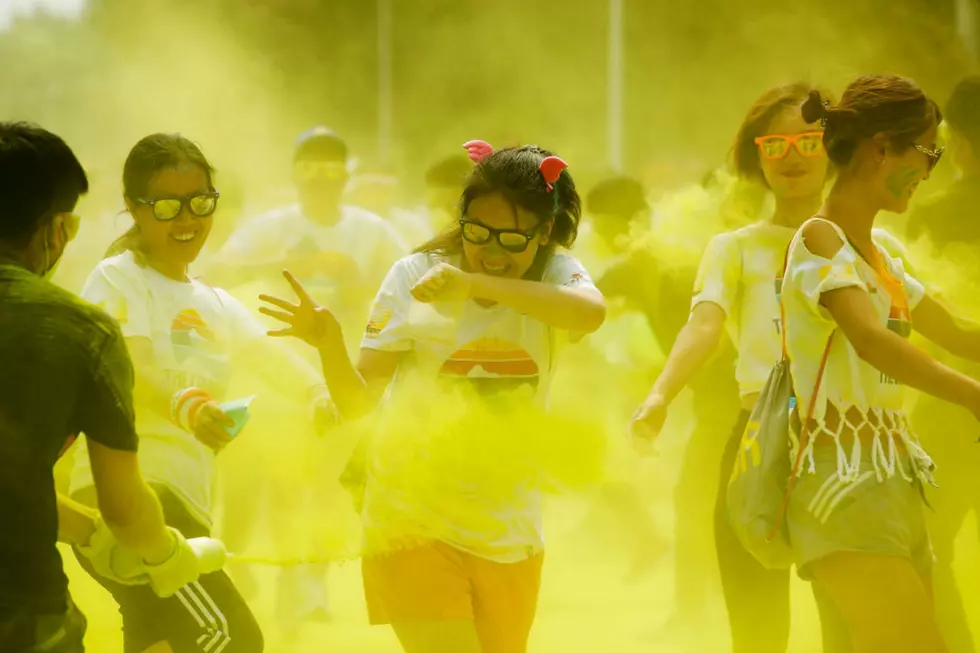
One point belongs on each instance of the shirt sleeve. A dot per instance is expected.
(105, 411)
(123, 296)
(244, 325)
(388, 324)
(719, 273)
(815, 275)
(565, 270)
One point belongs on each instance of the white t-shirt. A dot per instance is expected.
(741, 272)
(340, 265)
(194, 329)
(492, 350)
(848, 382)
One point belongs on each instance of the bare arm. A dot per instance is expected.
(958, 336)
(578, 310)
(888, 352)
(891, 354)
(152, 391)
(695, 344)
(356, 390)
(129, 507)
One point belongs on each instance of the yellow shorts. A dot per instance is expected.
(436, 582)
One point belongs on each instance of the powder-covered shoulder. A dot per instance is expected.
(121, 268)
(412, 267)
(566, 270)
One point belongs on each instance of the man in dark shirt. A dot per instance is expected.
(952, 225)
(64, 370)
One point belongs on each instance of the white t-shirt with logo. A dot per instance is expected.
(194, 329)
(340, 265)
(491, 350)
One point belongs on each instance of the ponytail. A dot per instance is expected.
(128, 242)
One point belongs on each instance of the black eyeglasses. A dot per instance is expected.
(511, 240)
(166, 209)
(934, 155)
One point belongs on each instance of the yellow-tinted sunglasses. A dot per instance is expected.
(310, 170)
(166, 209)
(776, 146)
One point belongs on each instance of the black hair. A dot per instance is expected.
(963, 111)
(320, 144)
(449, 172)
(149, 156)
(514, 173)
(619, 196)
(873, 104)
(39, 177)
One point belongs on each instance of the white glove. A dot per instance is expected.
(111, 560)
(190, 559)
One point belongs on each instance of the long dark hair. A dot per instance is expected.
(149, 156)
(514, 174)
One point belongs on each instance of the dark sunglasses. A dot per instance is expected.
(166, 209)
(934, 155)
(510, 240)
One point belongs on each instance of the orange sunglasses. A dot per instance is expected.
(776, 146)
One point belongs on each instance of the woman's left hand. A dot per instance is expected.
(210, 426)
(443, 283)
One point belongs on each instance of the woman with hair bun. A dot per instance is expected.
(855, 511)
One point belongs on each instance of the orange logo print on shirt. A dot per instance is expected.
(378, 321)
(190, 334)
(491, 365)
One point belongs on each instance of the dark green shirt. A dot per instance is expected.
(64, 370)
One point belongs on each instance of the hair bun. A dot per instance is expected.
(814, 108)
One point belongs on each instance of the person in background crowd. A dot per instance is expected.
(953, 235)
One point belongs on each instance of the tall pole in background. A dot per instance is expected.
(968, 25)
(384, 83)
(614, 86)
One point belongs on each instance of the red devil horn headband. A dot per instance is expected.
(479, 150)
(550, 166)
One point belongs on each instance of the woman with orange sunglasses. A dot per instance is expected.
(736, 290)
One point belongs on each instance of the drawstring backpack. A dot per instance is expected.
(762, 478)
